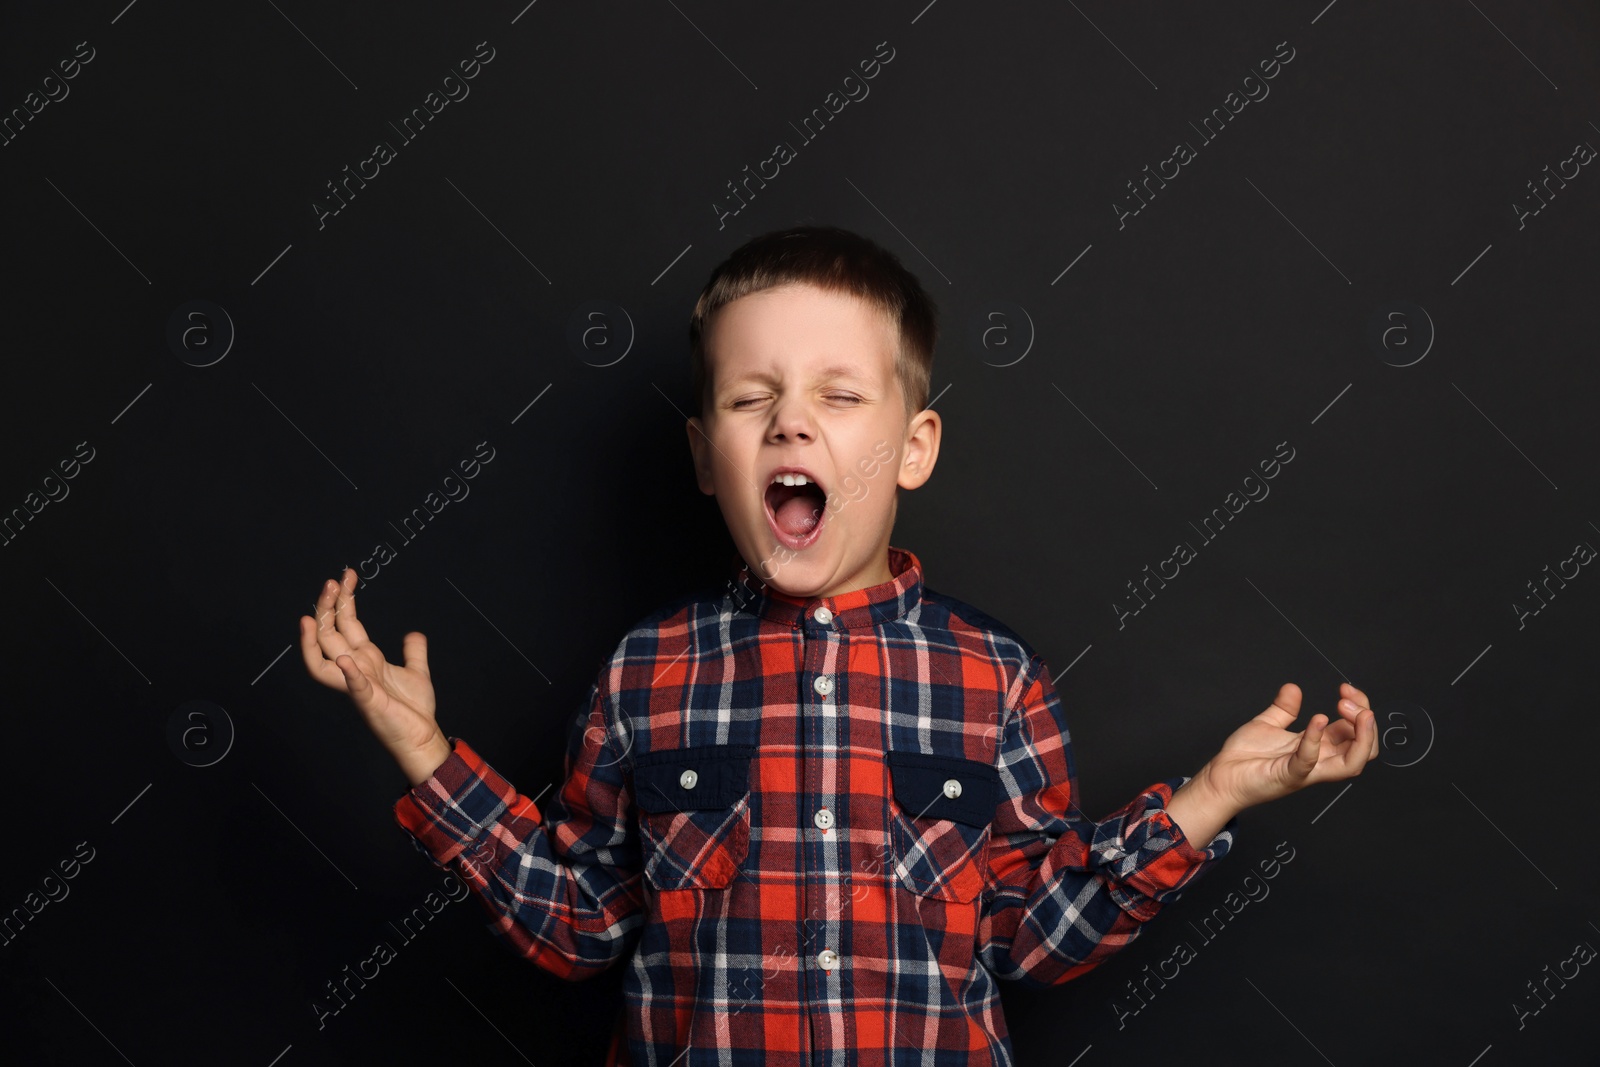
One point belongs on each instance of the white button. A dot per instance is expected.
(687, 779)
(823, 818)
(952, 788)
(823, 684)
(828, 958)
(822, 615)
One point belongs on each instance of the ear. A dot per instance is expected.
(700, 451)
(921, 449)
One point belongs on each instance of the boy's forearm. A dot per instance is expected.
(1199, 811)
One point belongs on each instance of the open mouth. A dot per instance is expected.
(796, 513)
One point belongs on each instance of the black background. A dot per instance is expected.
(375, 352)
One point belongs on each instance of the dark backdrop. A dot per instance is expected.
(218, 392)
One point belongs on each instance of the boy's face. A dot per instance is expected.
(803, 377)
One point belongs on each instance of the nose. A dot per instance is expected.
(791, 420)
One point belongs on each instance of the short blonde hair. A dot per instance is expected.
(836, 260)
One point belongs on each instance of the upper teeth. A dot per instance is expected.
(789, 479)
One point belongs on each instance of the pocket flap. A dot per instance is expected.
(721, 775)
(919, 787)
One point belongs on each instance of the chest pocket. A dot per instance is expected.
(694, 814)
(939, 822)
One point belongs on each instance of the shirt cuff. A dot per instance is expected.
(1153, 858)
(452, 809)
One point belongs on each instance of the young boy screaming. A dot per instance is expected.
(821, 809)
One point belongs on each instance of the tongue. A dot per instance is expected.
(797, 515)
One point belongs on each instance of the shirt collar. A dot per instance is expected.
(857, 609)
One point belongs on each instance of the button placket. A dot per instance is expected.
(823, 729)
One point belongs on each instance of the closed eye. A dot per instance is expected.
(834, 396)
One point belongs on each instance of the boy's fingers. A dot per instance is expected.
(1305, 755)
(345, 610)
(329, 639)
(1285, 706)
(414, 649)
(1340, 730)
(1357, 695)
(319, 666)
(1356, 756)
(361, 690)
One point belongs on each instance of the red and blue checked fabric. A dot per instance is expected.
(820, 831)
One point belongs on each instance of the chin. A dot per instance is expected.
(785, 582)
(795, 576)
(796, 573)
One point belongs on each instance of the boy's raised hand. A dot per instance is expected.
(1263, 760)
(397, 702)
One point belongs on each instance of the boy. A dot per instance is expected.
(823, 809)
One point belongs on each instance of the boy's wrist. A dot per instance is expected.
(1200, 810)
(1203, 790)
(422, 764)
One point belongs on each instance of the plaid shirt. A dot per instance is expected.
(821, 830)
